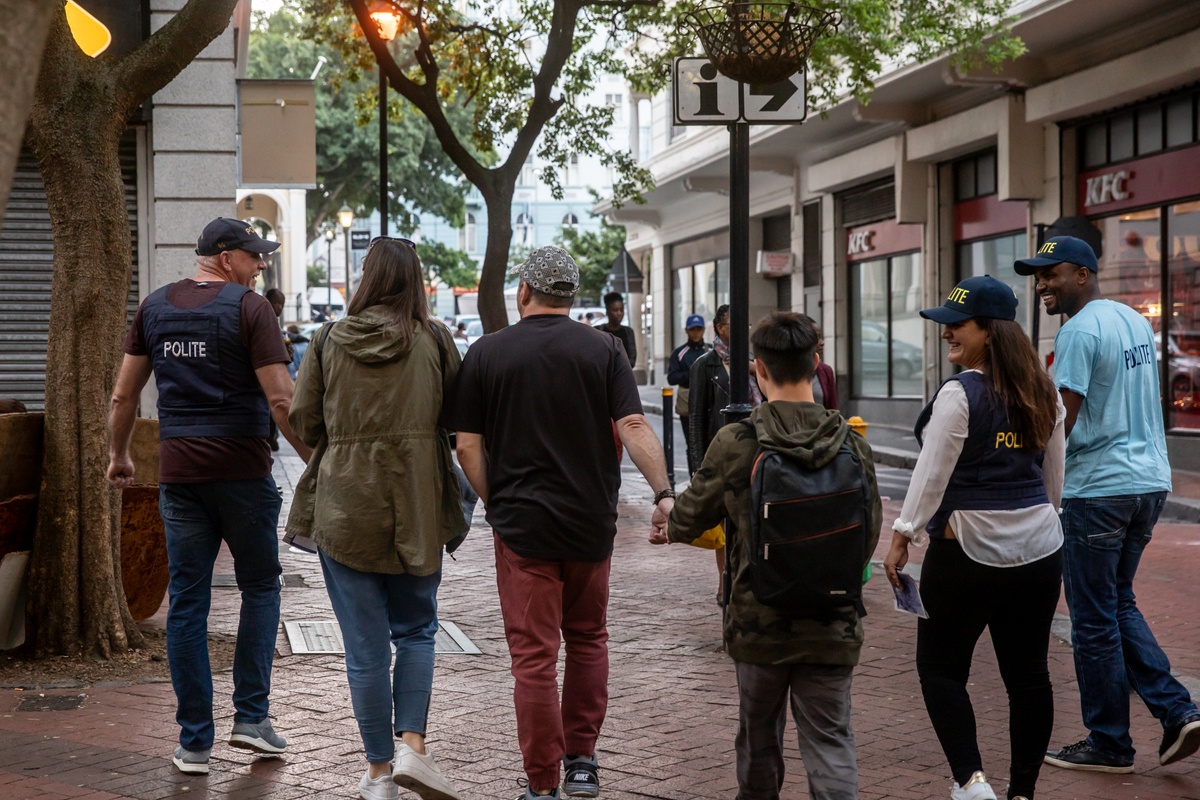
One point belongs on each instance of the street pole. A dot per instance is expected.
(329, 281)
(383, 154)
(346, 238)
(739, 272)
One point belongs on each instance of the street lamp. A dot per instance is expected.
(388, 21)
(330, 234)
(346, 218)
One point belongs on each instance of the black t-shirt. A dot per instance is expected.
(544, 394)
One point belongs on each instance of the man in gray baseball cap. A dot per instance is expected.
(534, 406)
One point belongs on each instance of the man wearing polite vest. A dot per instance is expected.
(220, 366)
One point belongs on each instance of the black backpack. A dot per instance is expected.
(808, 541)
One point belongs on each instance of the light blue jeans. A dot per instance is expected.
(375, 611)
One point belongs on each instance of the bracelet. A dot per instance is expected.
(665, 493)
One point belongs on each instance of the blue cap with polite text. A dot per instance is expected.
(1056, 250)
(981, 296)
(694, 321)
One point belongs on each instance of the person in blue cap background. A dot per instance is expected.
(679, 367)
(1117, 479)
(985, 493)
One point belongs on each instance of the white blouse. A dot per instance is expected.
(997, 538)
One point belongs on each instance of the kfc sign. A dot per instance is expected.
(860, 242)
(1111, 187)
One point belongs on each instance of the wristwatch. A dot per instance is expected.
(663, 494)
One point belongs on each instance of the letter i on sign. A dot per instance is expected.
(708, 92)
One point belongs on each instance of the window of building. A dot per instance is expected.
(645, 129)
(887, 334)
(524, 229)
(466, 237)
(996, 257)
(699, 289)
(617, 103)
(528, 176)
(570, 221)
(975, 176)
(571, 173)
(1148, 128)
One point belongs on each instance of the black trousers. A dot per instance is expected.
(1016, 605)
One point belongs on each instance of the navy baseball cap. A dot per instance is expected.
(981, 296)
(224, 233)
(694, 321)
(1056, 250)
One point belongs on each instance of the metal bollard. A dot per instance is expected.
(858, 425)
(668, 427)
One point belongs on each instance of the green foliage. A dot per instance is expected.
(454, 267)
(594, 252)
(315, 275)
(421, 177)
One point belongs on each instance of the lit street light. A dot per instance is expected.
(345, 217)
(388, 21)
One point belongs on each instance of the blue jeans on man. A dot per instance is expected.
(197, 518)
(1113, 646)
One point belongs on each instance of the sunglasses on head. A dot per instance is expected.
(400, 239)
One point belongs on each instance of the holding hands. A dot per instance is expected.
(658, 520)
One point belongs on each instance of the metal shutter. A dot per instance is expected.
(869, 203)
(26, 265)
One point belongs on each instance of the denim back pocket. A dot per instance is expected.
(1106, 519)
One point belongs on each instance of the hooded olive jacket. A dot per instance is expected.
(756, 633)
(378, 494)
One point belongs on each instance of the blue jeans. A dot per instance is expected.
(197, 518)
(1113, 646)
(378, 610)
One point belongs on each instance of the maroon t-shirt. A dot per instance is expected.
(208, 459)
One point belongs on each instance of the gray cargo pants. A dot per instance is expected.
(820, 700)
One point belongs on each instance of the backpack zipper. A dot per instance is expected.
(767, 505)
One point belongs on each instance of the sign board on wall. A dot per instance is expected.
(878, 239)
(1142, 182)
(775, 264)
(278, 121)
(360, 240)
(704, 96)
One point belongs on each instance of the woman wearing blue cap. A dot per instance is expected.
(986, 489)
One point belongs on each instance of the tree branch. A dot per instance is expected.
(156, 61)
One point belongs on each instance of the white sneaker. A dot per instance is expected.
(381, 788)
(418, 773)
(977, 788)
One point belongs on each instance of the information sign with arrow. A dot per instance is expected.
(704, 96)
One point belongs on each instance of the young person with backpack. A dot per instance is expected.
(797, 489)
(986, 489)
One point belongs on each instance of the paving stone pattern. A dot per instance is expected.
(672, 708)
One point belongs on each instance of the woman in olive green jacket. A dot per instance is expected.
(380, 500)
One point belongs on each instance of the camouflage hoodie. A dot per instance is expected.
(755, 633)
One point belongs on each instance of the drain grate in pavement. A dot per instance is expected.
(321, 636)
(56, 702)
(286, 581)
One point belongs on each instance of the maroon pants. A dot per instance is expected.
(542, 600)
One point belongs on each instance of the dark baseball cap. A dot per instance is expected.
(1056, 250)
(224, 233)
(981, 296)
(694, 321)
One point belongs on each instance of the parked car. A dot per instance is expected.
(907, 359)
(474, 332)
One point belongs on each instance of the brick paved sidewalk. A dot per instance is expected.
(672, 707)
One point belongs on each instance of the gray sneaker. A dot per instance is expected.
(258, 737)
(581, 776)
(191, 762)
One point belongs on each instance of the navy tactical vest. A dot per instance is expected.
(206, 383)
(995, 471)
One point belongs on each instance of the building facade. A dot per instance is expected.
(884, 207)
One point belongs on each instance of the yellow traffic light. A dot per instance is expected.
(90, 34)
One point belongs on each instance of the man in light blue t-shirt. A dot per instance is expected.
(1117, 479)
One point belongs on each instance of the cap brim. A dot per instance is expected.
(262, 247)
(945, 316)
(1028, 266)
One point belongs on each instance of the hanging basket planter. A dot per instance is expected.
(759, 43)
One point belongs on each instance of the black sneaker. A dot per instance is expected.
(581, 776)
(1083, 756)
(1180, 741)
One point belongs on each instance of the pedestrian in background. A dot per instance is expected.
(825, 382)
(299, 344)
(380, 499)
(802, 656)
(214, 348)
(986, 489)
(278, 301)
(533, 408)
(614, 306)
(1117, 479)
(679, 368)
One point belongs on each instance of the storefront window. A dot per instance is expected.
(996, 257)
(699, 289)
(886, 340)
(1130, 268)
(683, 299)
(1183, 363)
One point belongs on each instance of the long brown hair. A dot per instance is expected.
(392, 278)
(1016, 375)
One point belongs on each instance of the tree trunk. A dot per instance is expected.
(76, 603)
(492, 310)
(22, 37)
